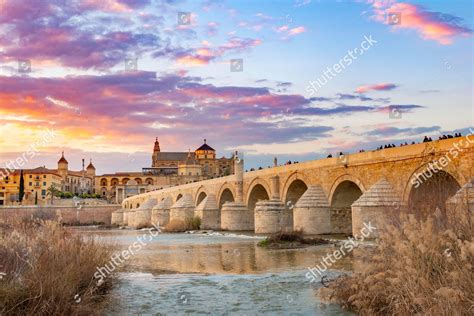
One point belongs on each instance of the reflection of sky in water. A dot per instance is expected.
(220, 274)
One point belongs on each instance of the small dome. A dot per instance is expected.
(62, 160)
(90, 166)
(313, 197)
(380, 194)
(205, 146)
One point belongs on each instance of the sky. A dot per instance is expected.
(296, 80)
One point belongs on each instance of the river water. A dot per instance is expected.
(216, 274)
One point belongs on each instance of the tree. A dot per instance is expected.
(52, 191)
(22, 187)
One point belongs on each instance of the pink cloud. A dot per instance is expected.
(296, 30)
(376, 87)
(435, 26)
(285, 29)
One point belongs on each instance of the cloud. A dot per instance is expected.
(123, 108)
(288, 32)
(205, 54)
(436, 26)
(376, 87)
(296, 30)
(397, 132)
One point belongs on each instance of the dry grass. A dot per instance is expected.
(179, 226)
(421, 266)
(49, 271)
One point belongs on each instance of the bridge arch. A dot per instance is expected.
(255, 182)
(429, 188)
(200, 197)
(295, 185)
(344, 192)
(226, 194)
(258, 190)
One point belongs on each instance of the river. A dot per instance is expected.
(216, 274)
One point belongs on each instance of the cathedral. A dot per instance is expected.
(201, 162)
(167, 169)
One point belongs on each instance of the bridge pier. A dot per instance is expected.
(236, 216)
(208, 212)
(312, 213)
(160, 214)
(268, 216)
(375, 207)
(183, 209)
(143, 214)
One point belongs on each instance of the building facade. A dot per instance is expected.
(38, 180)
(167, 169)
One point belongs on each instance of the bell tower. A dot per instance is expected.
(156, 150)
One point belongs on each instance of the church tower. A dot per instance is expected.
(156, 151)
(63, 167)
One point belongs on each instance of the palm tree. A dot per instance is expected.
(52, 191)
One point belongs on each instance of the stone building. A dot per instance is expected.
(167, 169)
(38, 180)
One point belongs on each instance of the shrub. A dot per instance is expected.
(420, 266)
(193, 223)
(294, 238)
(49, 271)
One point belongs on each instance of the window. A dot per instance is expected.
(43, 192)
(37, 184)
(44, 183)
(30, 184)
(44, 176)
(31, 176)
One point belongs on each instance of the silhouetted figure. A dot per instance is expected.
(329, 156)
(425, 140)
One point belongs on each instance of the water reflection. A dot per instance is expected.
(182, 274)
(186, 253)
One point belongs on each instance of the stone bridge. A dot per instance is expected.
(333, 195)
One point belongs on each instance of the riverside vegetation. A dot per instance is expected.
(420, 266)
(47, 270)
